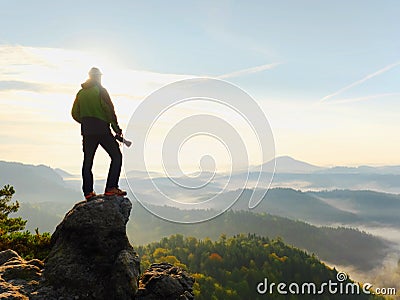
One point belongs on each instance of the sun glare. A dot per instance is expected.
(40, 84)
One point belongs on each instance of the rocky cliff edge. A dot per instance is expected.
(91, 258)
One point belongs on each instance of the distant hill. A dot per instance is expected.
(343, 207)
(36, 183)
(287, 164)
(388, 183)
(64, 174)
(297, 205)
(369, 206)
(296, 174)
(385, 170)
(337, 207)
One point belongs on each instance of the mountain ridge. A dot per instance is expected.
(284, 164)
(287, 164)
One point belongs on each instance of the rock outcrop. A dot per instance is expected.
(165, 281)
(18, 277)
(91, 256)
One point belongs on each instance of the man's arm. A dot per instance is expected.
(75, 112)
(109, 110)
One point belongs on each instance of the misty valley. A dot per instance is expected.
(346, 217)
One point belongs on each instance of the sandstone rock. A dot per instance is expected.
(165, 281)
(91, 257)
(18, 278)
(36, 262)
(8, 255)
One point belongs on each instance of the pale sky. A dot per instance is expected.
(325, 73)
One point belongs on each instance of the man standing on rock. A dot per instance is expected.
(94, 110)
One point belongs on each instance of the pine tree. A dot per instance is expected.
(9, 225)
(13, 237)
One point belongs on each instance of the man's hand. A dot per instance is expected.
(119, 137)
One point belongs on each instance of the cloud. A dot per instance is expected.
(358, 82)
(357, 99)
(7, 86)
(12, 85)
(249, 71)
(61, 71)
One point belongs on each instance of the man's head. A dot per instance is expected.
(95, 74)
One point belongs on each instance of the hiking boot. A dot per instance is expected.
(90, 196)
(114, 192)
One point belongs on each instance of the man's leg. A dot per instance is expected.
(90, 144)
(111, 146)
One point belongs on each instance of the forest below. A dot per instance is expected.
(232, 268)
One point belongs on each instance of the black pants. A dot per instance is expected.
(90, 144)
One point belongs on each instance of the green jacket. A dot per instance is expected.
(94, 110)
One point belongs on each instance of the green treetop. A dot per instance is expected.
(9, 225)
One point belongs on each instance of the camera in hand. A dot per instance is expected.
(122, 140)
